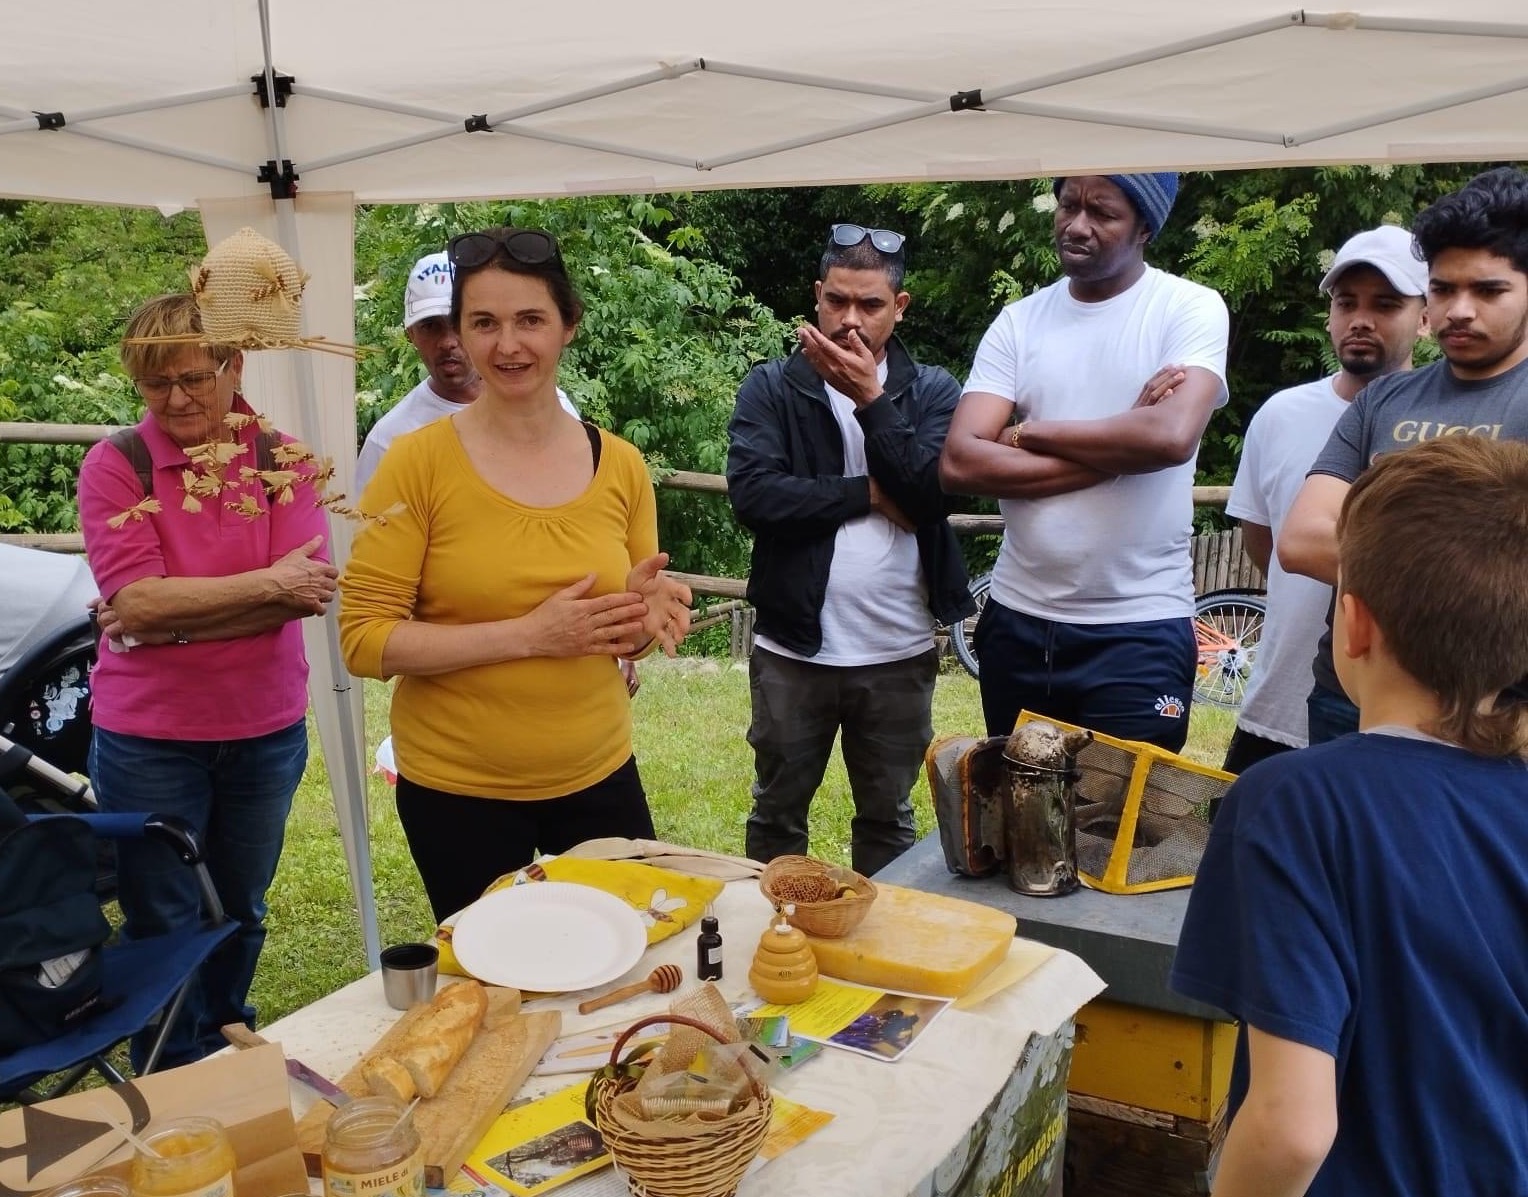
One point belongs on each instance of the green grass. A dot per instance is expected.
(691, 718)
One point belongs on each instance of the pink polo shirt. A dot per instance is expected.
(209, 690)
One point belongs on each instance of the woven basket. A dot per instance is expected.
(810, 885)
(706, 1161)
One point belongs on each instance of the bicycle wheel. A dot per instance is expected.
(963, 634)
(1229, 627)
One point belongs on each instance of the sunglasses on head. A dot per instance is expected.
(529, 247)
(883, 239)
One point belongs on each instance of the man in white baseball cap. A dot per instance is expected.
(1377, 287)
(451, 383)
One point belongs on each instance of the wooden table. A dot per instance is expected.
(976, 1108)
(1151, 1070)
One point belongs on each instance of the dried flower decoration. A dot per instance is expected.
(137, 512)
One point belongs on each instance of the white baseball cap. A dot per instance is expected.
(429, 289)
(1388, 250)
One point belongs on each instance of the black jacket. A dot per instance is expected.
(785, 477)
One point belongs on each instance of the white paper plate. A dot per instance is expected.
(549, 936)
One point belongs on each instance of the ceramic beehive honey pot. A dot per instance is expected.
(784, 969)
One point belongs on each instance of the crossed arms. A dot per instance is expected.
(1055, 457)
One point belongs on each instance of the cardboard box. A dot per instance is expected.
(57, 1141)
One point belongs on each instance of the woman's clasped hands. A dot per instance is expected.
(653, 606)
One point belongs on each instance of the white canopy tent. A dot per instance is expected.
(160, 103)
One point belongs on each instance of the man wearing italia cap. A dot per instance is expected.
(451, 383)
(1082, 415)
(1376, 287)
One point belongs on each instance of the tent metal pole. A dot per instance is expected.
(376, 151)
(1152, 124)
(178, 101)
(376, 105)
(1349, 20)
(677, 71)
(583, 143)
(743, 71)
(350, 773)
(1003, 91)
(455, 124)
(25, 120)
(1420, 108)
(795, 143)
(149, 147)
(1143, 57)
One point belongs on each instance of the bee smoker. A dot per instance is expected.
(1039, 819)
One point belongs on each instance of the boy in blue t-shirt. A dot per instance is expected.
(1362, 904)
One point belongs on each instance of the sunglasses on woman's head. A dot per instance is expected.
(884, 240)
(529, 247)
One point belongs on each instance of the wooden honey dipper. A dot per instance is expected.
(663, 979)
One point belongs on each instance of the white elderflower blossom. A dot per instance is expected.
(1044, 203)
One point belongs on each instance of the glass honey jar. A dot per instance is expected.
(193, 1158)
(371, 1149)
(98, 1184)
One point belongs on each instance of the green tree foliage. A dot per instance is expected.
(665, 340)
(69, 277)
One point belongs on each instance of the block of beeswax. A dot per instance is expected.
(915, 942)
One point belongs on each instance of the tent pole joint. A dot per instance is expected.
(283, 89)
(282, 178)
(50, 120)
(967, 101)
(477, 123)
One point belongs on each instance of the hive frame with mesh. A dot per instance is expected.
(1116, 875)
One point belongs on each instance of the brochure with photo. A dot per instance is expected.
(873, 1022)
(534, 1148)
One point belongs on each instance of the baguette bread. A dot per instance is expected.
(385, 1077)
(442, 1035)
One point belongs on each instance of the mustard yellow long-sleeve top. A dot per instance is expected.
(461, 552)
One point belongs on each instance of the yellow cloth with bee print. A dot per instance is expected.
(667, 901)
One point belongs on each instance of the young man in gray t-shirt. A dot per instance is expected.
(1475, 243)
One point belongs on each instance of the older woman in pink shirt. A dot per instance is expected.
(201, 684)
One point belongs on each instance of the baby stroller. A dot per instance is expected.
(45, 729)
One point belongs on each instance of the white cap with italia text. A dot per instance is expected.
(429, 289)
(1387, 249)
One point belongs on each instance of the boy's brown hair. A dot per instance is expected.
(164, 316)
(1434, 540)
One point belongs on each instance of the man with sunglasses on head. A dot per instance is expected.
(1082, 415)
(833, 465)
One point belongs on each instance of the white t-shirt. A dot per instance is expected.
(1117, 552)
(39, 593)
(875, 609)
(1283, 440)
(419, 407)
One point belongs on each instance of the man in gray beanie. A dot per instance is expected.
(1082, 415)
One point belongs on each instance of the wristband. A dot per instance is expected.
(1014, 433)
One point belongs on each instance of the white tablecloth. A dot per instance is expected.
(894, 1123)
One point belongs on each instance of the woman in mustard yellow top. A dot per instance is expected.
(517, 560)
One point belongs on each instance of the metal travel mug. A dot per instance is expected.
(408, 974)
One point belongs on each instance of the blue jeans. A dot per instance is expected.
(237, 794)
(1330, 714)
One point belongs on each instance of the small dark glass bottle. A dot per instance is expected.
(708, 950)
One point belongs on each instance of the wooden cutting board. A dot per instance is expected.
(454, 1121)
